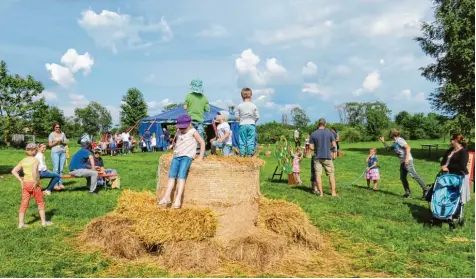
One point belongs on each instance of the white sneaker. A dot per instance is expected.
(46, 193)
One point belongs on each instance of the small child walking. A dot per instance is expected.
(372, 172)
(185, 147)
(247, 113)
(297, 158)
(30, 184)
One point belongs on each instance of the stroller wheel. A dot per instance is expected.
(452, 226)
(461, 221)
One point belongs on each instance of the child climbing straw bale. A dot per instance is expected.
(185, 147)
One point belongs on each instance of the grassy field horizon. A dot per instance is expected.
(379, 232)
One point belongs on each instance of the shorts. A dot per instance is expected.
(326, 164)
(179, 167)
(373, 174)
(226, 149)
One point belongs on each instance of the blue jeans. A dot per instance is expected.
(58, 159)
(147, 144)
(102, 180)
(179, 167)
(126, 147)
(247, 140)
(227, 149)
(55, 178)
(199, 127)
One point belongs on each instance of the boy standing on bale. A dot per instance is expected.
(196, 104)
(224, 140)
(247, 113)
(185, 147)
(403, 151)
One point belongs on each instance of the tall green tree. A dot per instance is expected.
(299, 117)
(133, 108)
(377, 119)
(450, 41)
(43, 116)
(355, 113)
(16, 98)
(401, 116)
(94, 118)
(171, 107)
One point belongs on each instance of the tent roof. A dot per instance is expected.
(170, 116)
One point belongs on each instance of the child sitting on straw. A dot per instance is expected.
(30, 185)
(372, 172)
(224, 141)
(185, 147)
(297, 158)
(247, 113)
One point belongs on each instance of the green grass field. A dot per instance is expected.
(379, 231)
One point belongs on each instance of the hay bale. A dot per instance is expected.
(222, 184)
(258, 250)
(114, 234)
(267, 153)
(289, 220)
(155, 226)
(203, 256)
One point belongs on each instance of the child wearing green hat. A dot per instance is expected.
(196, 104)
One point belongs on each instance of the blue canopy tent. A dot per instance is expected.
(158, 121)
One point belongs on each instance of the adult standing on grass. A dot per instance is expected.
(455, 161)
(126, 139)
(297, 140)
(403, 151)
(322, 140)
(82, 165)
(58, 141)
(147, 138)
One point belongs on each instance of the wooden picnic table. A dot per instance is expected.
(430, 146)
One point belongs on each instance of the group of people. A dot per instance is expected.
(148, 142)
(188, 146)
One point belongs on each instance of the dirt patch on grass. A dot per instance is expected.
(458, 239)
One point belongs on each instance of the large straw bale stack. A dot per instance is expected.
(228, 185)
(155, 226)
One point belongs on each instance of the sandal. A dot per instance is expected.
(163, 203)
(46, 193)
(57, 188)
(177, 206)
(61, 187)
(47, 223)
(375, 189)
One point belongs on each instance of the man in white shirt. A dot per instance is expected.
(126, 141)
(55, 183)
(297, 140)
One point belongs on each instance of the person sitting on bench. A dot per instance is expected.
(99, 163)
(82, 165)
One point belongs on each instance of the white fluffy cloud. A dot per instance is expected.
(291, 33)
(112, 30)
(78, 100)
(310, 69)
(73, 62)
(213, 31)
(156, 106)
(224, 104)
(59, 74)
(382, 62)
(47, 95)
(314, 89)
(372, 81)
(406, 95)
(76, 62)
(247, 67)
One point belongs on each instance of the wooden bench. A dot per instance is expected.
(67, 176)
(430, 146)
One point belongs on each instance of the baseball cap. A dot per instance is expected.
(183, 121)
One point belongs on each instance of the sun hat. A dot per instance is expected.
(196, 86)
(225, 114)
(183, 121)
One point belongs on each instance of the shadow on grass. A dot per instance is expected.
(5, 169)
(416, 153)
(379, 191)
(49, 214)
(420, 214)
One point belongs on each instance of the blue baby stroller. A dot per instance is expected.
(446, 203)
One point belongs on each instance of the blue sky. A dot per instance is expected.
(310, 53)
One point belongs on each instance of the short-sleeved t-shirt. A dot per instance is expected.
(60, 147)
(98, 162)
(27, 166)
(147, 135)
(322, 139)
(373, 160)
(222, 129)
(398, 147)
(197, 104)
(80, 160)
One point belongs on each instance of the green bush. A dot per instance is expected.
(351, 135)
